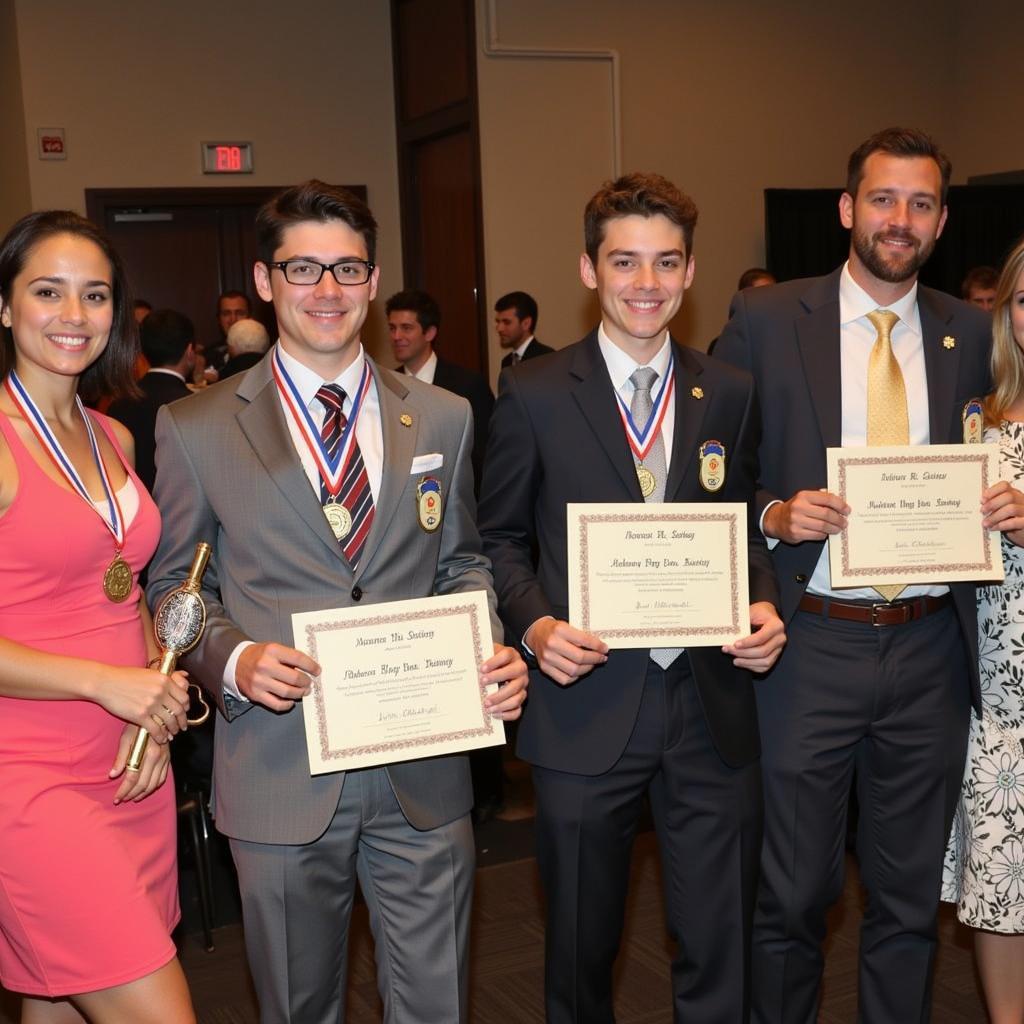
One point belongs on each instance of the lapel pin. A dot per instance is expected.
(405, 419)
(697, 392)
(949, 341)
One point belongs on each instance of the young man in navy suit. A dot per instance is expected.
(605, 728)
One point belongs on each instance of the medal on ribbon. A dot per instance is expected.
(974, 420)
(428, 503)
(712, 465)
(117, 577)
(332, 470)
(641, 441)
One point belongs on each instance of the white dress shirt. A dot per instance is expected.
(426, 372)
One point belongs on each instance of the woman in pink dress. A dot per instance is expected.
(88, 882)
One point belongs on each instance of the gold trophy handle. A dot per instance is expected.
(135, 755)
(170, 657)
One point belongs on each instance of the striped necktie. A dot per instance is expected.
(355, 492)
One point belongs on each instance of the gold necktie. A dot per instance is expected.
(888, 419)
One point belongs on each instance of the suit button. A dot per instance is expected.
(357, 593)
(801, 578)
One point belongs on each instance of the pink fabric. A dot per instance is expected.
(88, 891)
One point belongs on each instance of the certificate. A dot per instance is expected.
(915, 514)
(398, 681)
(659, 575)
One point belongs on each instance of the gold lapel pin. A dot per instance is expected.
(949, 341)
(405, 419)
(697, 392)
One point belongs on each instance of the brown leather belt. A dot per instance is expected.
(881, 614)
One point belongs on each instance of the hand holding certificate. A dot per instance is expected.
(398, 681)
(659, 575)
(915, 515)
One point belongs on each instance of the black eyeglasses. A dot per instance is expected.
(310, 272)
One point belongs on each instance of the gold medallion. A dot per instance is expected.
(647, 481)
(117, 580)
(339, 519)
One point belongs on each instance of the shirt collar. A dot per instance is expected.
(855, 303)
(428, 369)
(167, 370)
(520, 350)
(308, 383)
(620, 365)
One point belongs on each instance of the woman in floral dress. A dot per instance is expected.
(984, 869)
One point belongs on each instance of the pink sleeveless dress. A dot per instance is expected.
(88, 891)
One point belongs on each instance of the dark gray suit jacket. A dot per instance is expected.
(788, 337)
(229, 474)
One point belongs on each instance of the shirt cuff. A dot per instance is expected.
(230, 686)
(524, 644)
(772, 542)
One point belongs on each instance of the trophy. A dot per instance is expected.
(178, 624)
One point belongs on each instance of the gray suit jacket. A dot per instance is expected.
(230, 475)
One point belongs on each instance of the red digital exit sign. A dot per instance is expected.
(227, 158)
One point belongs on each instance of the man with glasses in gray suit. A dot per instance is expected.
(242, 470)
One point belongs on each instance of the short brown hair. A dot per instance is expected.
(644, 195)
(312, 200)
(901, 142)
(980, 277)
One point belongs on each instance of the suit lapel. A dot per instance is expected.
(689, 416)
(263, 423)
(595, 396)
(818, 342)
(942, 366)
(399, 448)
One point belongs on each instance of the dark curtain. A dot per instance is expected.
(803, 236)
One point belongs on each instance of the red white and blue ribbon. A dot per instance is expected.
(641, 441)
(114, 521)
(332, 470)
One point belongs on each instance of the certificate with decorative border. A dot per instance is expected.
(915, 514)
(659, 575)
(398, 681)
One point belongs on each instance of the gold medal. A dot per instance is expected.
(647, 481)
(117, 580)
(339, 519)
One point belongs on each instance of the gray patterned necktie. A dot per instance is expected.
(640, 408)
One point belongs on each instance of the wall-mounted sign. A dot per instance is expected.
(51, 144)
(227, 157)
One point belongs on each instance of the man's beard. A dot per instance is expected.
(893, 268)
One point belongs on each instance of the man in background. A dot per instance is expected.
(515, 319)
(168, 343)
(414, 319)
(979, 288)
(248, 343)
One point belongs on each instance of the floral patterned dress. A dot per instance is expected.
(984, 866)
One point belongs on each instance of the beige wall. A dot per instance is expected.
(724, 98)
(139, 84)
(15, 193)
(987, 136)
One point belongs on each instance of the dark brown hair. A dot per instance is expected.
(428, 313)
(644, 195)
(312, 200)
(114, 371)
(902, 142)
